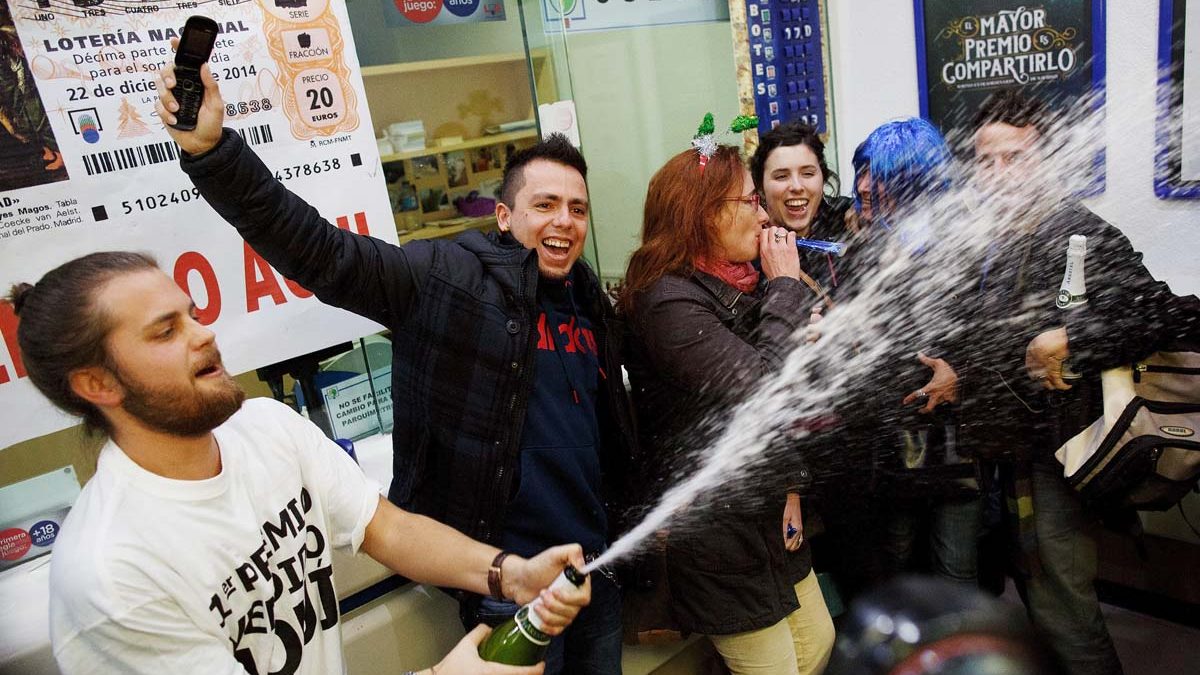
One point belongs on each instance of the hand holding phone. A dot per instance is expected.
(195, 46)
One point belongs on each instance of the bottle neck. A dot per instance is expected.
(1073, 291)
(531, 626)
(528, 620)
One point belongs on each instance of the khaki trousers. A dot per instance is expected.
(799, 644)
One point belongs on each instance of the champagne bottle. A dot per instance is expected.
(522, 640)
(1072, 293)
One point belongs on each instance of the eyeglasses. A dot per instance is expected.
(752, 199)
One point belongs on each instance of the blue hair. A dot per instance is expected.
(908, 159)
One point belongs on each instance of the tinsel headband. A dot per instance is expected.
(706, 139)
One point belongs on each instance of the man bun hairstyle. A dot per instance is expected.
(554, 148)
(62, 331)
(18, 295)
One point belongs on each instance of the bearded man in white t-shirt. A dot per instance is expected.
(203, 542)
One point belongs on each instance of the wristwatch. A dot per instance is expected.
(495, 577)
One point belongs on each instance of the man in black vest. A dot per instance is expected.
(511, 421)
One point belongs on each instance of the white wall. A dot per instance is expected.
(875, 79)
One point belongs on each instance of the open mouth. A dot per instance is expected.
(556, 245)
(796, 206)
(213, 368)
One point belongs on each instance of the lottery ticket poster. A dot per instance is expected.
(85, 164)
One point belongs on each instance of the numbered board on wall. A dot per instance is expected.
(782, 62)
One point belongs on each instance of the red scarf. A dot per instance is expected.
(741, 276)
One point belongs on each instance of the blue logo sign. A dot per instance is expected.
(462, 7)
(44, 532)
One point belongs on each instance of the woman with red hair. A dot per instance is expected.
(705, 326)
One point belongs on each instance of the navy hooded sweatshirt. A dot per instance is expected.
(558, 497)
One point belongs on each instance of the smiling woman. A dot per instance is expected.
(801, 193)
(705, 326)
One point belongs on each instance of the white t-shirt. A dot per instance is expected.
(231, 574)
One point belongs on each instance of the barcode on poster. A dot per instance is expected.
(157, 153)
(129, 158)
(257, 135)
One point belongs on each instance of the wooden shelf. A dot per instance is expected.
(459, 62)
(481, 223)
(465, 145)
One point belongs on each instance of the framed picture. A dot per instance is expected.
(968, 49)
(485, 159)
(425, 167)
(456, 168)
(434, 200)
(404, 196)
(1177, 134)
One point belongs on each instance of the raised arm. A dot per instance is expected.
(361, 274)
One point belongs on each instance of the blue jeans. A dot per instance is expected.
(591, 645)
(1062, 600)
(954, 529)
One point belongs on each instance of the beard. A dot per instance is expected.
(182, 411)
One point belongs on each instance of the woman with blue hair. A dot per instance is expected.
(903, 182)
(902, 168)
(902, 165)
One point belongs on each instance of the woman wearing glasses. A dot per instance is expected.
(705, 327)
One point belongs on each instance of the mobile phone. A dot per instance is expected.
(195, 46)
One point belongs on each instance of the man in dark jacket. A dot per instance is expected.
(511, 422)
(1018, 406)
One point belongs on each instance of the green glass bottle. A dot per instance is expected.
(522, 641)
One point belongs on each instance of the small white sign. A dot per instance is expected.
(351, 404)
(32, 512)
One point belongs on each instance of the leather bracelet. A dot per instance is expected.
(495, 576)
